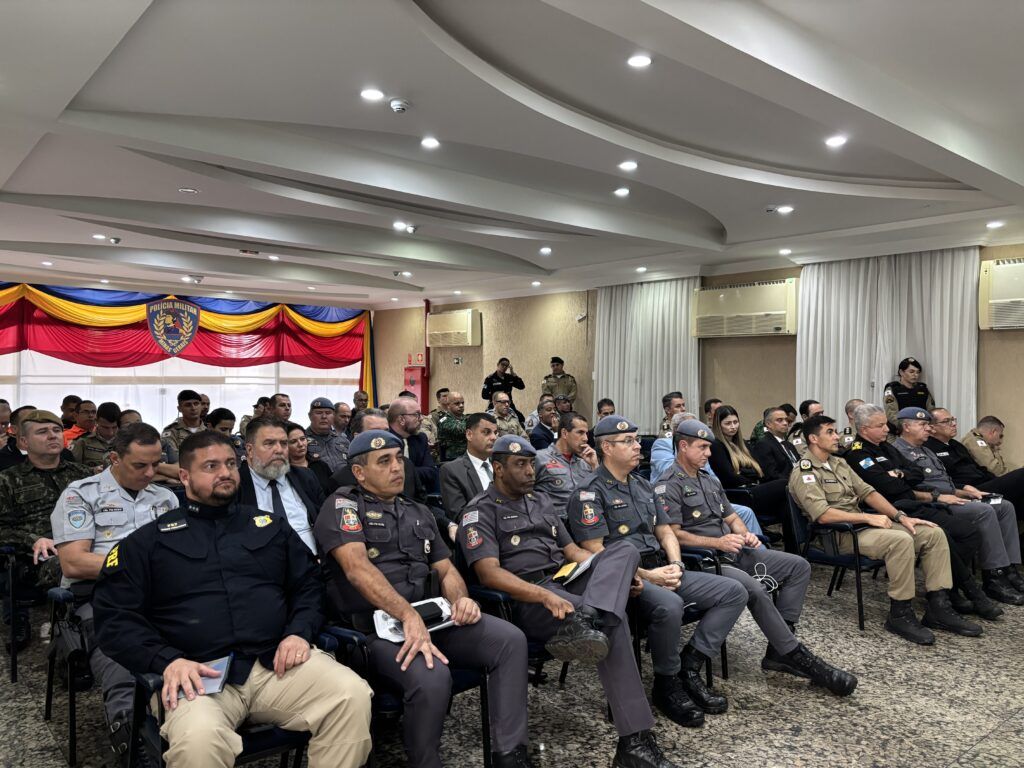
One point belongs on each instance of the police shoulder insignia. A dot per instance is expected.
(76, 517)
(350, 521)
(165, 526)
(471, 517)
(586, 495)
(857, 445)
(113, 558)
(473, 538)
(262, 521)
(808, 478)
(805, 464)
(589, 516)
(342, 503)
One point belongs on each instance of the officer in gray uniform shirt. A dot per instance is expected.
(558, 476)
(615, 506)
(701, 516)
(91, 516)
(380, 549)
(323, 443)
(515, 542)
(997, 518)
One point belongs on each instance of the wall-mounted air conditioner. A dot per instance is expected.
(1001, 294)
(459, 328)
(753, 309)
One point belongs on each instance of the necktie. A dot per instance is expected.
(487, 471)
(275, 499)
(790, 453)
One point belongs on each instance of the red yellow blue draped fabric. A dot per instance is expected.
(108, 329)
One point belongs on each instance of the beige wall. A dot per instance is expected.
(527, 330)
(749, 373)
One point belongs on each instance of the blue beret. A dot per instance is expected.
(914, 414)
(373, 440)
(513, 445)
(694, 428)
(321, 402)
(614, 425)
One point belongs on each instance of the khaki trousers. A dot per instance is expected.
(320, 696)
(900, 549)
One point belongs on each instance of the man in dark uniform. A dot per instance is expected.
(514, 541)
(700, 514)
(324, 443)
(216, 578)
(612, 505)
(885, 469)
(849, 434)
(504, 379)
(908, 391)
(380, 549)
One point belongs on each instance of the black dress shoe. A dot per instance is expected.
(903, 622)
(961, 603)
(579, 639)
(670, 697)
(999, 588)
(692, 675)
(517, 758)
(940, 615)
(640, 750)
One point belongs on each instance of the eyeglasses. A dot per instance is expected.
(950, 420)
(629, 441)
(414, 414)
(502, 402)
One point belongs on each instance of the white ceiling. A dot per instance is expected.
(107, 108)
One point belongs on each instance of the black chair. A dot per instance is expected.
(9, 554)
(827, 551)
(258, 741)
(745, 496)
(66, 641)
(387, 702)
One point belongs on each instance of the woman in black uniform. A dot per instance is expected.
(906, 392)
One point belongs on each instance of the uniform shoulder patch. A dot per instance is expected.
(857, 445)
(113, 560)
(175, 524)
(805, 464)
(982, 443)
(867, 463)
(350, 522)
(473, 538)
(473, 516)
(808, 479)
(587, 496)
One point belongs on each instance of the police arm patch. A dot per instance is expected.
(350, 522)
(471, 517)
(113, 561)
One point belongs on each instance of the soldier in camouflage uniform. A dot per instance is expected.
(93, 449)
(189, 422)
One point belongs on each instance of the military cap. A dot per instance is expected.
(694, 428)
(40, 417)
(513, 445)
(908, 361)
(558, 360)
(321, 402)
(373, 440)
(614, 425)
(188, 394)
(914, 414)
(561, 397)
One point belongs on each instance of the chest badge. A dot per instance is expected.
(696, 514)
(927, 470)
(373, 553)
(515, 540)
(623, 529)
(262, 521)
(426, 546)
(554, 531)
(374, 515)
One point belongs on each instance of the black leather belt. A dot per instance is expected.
(535, 577)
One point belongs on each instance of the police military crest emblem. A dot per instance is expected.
(173, 324)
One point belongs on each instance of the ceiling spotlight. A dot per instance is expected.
(535, 283)
(248, 251)
(186, 279)
(46, 263)
(627, 165)
(784, 209)
(639, 60)
(394, 298)
(429, 142)
(310, 287)
(188, 190)
(99, 237)
(995, 224)
(104, 281)
(114, 240)
(228, 291)
(372, 94)
(641, 270)
(621, 192)
(272, 257)
(835, 142)
(457, 293)
(785, 251)
(406, 274)
(399, 225)
(411, 229)
(545, 251)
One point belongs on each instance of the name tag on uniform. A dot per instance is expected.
(659, 489)
(867, 463)
(807, 478)
(944, 453)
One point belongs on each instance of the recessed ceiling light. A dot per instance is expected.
(394, 298)
(545, 251)
(310, 287)
(835, 142)
(785, 251)
(272, 257)
(188, 190)
(457, 293)
(621, 192)
(99, 237)
(399, 225)
(411, 229)
(228, 291)
(104, 281)
(784, 209)
(995, 224)
(535, 283)
(639, 60)
(372, 94)
(641, 270)
(46, 263)
(186, 279)
(429, 142)
(627, 165)
(406, 274)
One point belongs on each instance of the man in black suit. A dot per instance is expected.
(544, 433)
(776, 455)
(404, 420)
(268, 482)
(469, 475)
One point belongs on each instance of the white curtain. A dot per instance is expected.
(643, 348)
(859, 318)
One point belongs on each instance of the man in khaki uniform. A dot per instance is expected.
(984, 443)
(188, 423)
(508, 422)
(828, 491)
(94, 449)
(558, 382)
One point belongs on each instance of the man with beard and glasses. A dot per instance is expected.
(219, 580)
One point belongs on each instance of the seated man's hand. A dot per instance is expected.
(637, 586)
(971, 492)
(186, 675)
(465, 611)
(911, 523)
(558, 605)
(878, 521)
(667, 576)
(949, 498)
(43, 549)
(731, 543)
(751, 540)
(417, 641)
(291, 652)
(453, 531)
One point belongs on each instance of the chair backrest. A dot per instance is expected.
(796, 522)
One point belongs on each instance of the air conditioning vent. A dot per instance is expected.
(1001, 294)
(752, 309)
(460, 328)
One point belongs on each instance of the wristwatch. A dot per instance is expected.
(679, 563)
(899, 516)
(935, 495)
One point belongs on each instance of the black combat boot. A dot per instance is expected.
(802, 663)
(960, 602)
(692, 675)
(671, 699)
(999, 588)
(579, 639)
(640, 750)
(940, 615)
(517, 758)
(1012, 573)
(984, 605)
(903, 622)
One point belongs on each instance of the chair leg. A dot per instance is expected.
(72, 718)
(283, 762)
(842, 575)
(725, 662)
(860, 600)
(562, 675)
(485, 721)
(832, 582)
(299, 754)
(51, 669)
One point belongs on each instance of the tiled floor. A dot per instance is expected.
(958, 703)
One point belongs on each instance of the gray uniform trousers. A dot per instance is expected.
(605, 586)
(491, 644)
(792, 573)
(721, 600)
(997, 523)
(116, 682)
